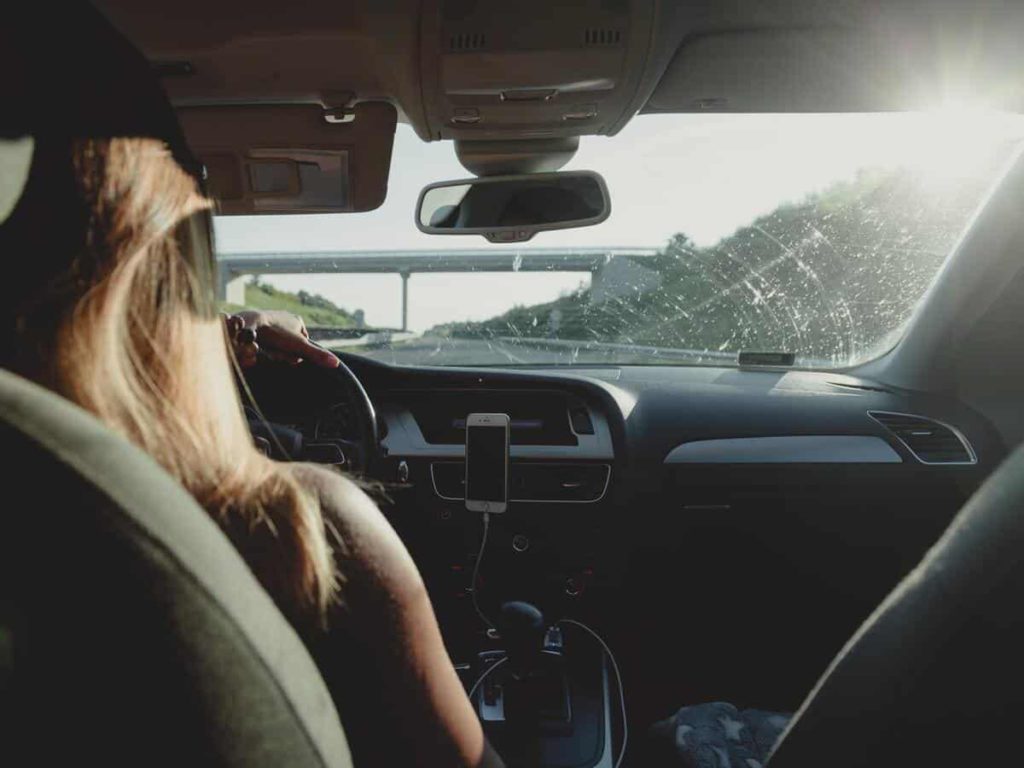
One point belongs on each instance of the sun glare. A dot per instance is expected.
(947, 143)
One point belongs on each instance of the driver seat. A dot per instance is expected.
(131, 631)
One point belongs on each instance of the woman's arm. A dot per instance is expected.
(383, 653)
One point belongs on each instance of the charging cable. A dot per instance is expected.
(611, 657)
(486, 672)
(618, 681)
(476, 574)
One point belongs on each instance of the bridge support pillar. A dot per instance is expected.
(405, 300)
(231, 287)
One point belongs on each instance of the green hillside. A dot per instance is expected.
(313, 308)
(830, 277)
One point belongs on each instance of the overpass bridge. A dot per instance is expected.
(613, 271)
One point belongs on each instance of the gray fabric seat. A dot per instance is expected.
(934, 677)
(131, 632)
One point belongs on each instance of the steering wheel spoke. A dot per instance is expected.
(340, 431)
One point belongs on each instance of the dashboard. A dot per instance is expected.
(647, 500)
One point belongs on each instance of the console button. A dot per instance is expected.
(573, 586)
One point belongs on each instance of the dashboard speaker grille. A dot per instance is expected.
(932, 442)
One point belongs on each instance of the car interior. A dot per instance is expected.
(796, 495)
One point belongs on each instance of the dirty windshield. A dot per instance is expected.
(815, 235)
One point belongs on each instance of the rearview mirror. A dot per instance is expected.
(509, 209)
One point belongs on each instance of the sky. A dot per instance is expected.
(704, 175)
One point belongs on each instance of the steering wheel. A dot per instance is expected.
(366, 451)
(282, 393)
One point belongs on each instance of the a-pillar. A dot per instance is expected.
(405, 300)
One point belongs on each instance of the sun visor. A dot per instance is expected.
(263, 159)
(773, 71)
(854, 69)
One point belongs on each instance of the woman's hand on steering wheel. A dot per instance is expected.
(279, 335)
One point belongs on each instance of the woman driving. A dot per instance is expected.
(112, 307)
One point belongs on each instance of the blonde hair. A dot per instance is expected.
(141, 347)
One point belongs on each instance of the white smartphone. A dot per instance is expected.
(487, 461)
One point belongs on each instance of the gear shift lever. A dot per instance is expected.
(536, 689)
(522, 628)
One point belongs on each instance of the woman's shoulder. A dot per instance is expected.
(368, 547)
(338, 493)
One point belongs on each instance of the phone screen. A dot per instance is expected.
(486, 457)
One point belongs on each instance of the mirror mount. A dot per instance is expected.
(505, 157)
(339, 106)
(512, 209)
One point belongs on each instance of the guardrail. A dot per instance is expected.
(605, 346)
(317, 332)
(371, 339)
(698, 355)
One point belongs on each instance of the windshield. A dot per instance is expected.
(815, 235)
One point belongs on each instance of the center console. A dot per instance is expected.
(549, 547)
(546, 691)
(546, 698)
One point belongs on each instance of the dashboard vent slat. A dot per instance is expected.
(602, 37)
(932, 442)
(467, 41)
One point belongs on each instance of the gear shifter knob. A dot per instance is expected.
(522, 627)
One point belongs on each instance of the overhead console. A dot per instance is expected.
(532, 69)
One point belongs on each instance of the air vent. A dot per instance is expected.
(550, 483)
(467, 41)
(173, 68)
(601, 38)
(930, 441)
